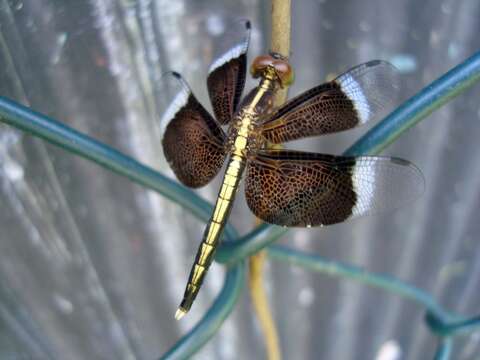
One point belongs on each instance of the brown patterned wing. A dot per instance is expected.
(226, 76)
(192, 140)
(352, 99)
(292, 188)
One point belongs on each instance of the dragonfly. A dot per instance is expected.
(282, 187)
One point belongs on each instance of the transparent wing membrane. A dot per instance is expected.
(384, 183)
(371, 87)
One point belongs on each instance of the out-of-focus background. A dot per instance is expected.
(93, 267)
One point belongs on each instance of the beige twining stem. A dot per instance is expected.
(281, 23)
(281, 30)
(261, 306)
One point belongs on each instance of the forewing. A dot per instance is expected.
(292, 188)
(192, 140)
(226, 76)
(355, 97)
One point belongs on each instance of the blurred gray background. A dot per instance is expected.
(93, 267)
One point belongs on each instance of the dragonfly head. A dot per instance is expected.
(273, 63)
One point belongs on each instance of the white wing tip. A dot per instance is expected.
(179, 101)
(355, 93)
(232, 53)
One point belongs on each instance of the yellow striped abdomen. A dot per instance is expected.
(214, 229)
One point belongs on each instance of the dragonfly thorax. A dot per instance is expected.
(244, 137)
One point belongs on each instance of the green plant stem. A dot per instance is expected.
(444, 349)
(441, 322)
(77, 143)
(339, 269)
(443, 327)
(249, 244)
(213, 319)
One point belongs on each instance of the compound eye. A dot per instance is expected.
(284, 72)
(260, 64)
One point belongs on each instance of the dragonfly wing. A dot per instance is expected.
(293, 188)
(352, 99)
(192, 140)
(227, 74)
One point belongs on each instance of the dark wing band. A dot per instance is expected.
(352, 99)
(293, 188)
(227, 74)
(192, 140)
